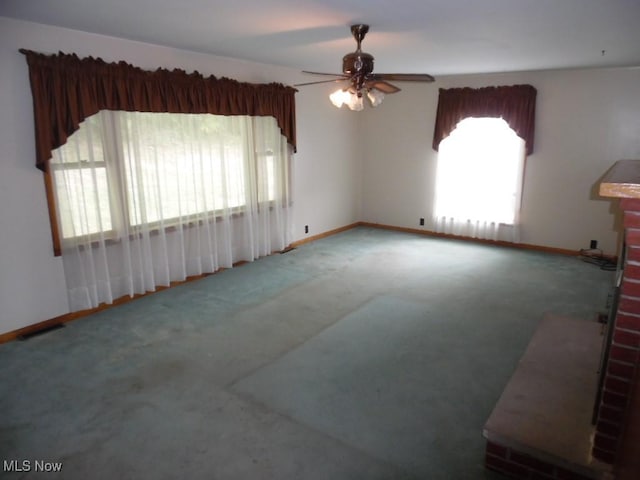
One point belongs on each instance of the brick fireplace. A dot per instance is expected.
(558, 418)
(619, 402)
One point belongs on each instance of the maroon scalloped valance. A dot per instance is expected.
(515, 104)
(67, 89)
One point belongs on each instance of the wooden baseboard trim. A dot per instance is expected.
(500, 243)
(328, 233)
(68, 317)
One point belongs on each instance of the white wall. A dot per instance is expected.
(326, 173)
(327, 189)
(585, 121)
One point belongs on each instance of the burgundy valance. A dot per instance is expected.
(67, 89)
(515, 104)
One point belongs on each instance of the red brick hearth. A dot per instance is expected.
(518, 465)
(541, 427)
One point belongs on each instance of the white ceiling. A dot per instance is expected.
(407, 36)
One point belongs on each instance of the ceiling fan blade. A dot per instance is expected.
(403, 77)
(330, 74)
(319, 81)
(384, 87)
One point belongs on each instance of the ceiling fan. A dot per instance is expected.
(357, 69)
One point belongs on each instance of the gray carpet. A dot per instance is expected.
(367, 355)
(379, 380)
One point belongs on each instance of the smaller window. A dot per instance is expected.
(479, 177)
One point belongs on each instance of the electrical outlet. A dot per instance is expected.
(422, 221)
(593, 244)
(306, 229)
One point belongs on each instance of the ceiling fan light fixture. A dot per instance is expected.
(345, 97)
(340, 97)
(375, 97)
(353, 100)
(356, 102)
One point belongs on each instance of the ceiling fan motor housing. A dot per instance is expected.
(357, 63)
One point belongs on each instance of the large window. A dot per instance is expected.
(146, 199)
(479, 180)
(127, 169)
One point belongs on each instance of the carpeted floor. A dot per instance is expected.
(366, 355)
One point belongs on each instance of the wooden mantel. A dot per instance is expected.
(622, 180)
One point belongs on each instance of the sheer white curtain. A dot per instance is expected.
(145, 199)
(479, 181)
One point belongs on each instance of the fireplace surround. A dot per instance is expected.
(615, 441)
(565, 415)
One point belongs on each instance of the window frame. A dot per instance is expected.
(119, 206)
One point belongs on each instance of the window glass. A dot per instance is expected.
(479, 172)
(134, 168)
